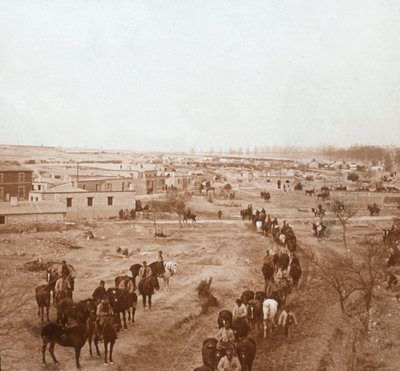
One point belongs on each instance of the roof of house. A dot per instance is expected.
(42, 207)
(66, 187)
(5, 166)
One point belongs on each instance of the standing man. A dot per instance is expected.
(64, 269)
(219, 214)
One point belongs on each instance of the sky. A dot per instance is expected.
(198, 74)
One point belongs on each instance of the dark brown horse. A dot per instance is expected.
(43, 300)
(246, 351)
(147, 290)
(74, 337)
(109, 334)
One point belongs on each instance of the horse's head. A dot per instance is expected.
(171, 266)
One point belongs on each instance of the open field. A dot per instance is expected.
(169, 337)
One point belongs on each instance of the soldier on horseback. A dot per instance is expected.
(103, 313)
(225, 336)
(99, 292)
(144, 273)
(62, 287)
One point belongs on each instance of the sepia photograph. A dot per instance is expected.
(196, 185)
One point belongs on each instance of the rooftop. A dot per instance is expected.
(5, 166)
(25, 207)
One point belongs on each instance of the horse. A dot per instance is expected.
(120, 303)
(224, 316)
(210, 354)
(43, 295)
(240, 328)
(261, 296)
(189, 216)
(268, 273)
(74, 337)
(282, 292)
(131, 297)
(295, 273)
(246, 351)
(170, 270)
(80, 311)
(319, 213)
(318, 229)
(373, 210)
(109, 334)
(147, 289)
(283, 262)
(154, 266)
(270, 308)
(322, 196)
(310, 192)
(254, 313)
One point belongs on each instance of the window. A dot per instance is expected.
(36, 198)
(83, 187)
(123, 186)
(21, 192)
(1, 178)
(109, 186)
(39, 187)
(1, 194)
(31, 198)
(2, 219)
(97, 187)
(90, 201)
(109, 201)
(69, 202)
(21, 177)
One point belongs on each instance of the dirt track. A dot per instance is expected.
(169, 337)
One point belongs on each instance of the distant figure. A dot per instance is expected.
(219, 214)
(160, 260)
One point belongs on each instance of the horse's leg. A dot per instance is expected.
(96, 344)
(265, 328)
(47, 314)
(124, 318)
(44, 346)
(150, 301)
(51, 350)
(144, 301)
(77, 354)
(129, 313)
(105, 351)
(133, 314)
(90, 345)
(111, 351)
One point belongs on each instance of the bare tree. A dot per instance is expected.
(331, 271)
(348, 275)
(343, 212)
(12, 301)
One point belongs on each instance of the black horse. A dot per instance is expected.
(147, 289)
(119, 302)
(246, 351)
(80, 311)
(42, 294)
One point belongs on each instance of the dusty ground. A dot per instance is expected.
(169, 337)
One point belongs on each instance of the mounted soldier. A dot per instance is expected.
(62, 288)
(144, 273)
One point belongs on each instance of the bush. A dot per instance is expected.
(353, 177)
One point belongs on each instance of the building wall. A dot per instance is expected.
(107, 185)
(10, 183)
(34, 218)
(99, 209)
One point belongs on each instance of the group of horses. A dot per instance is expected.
(84, 312)
(281, 272)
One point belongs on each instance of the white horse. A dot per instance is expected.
(170, 270)
(259, 226)
(270, 308)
